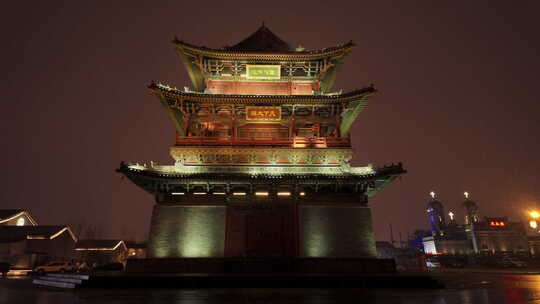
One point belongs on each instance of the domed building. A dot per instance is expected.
(471, 210)
(435, 210)
(492, 236)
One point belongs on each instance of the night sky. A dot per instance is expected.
(458, 102)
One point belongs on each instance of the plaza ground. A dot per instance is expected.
(463, 286)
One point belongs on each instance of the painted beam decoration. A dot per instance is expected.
(263, 113)
(263, 72)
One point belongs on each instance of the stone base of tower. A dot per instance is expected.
(336, 231)
(255, 229)
(186, 231)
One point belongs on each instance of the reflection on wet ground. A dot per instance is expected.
(463, 288)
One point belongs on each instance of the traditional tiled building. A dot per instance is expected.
(25, 247)
(100, 252)
(16, 217)
(262, 154)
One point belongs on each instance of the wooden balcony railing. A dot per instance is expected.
(295, 142)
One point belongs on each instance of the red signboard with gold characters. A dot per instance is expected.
(263, 113)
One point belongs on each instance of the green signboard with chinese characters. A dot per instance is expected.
(263, 72)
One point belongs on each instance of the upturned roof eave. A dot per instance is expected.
(236, 54)
(357, 94)
(390, 172)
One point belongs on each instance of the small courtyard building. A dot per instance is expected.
(101, 252)
(25, 247)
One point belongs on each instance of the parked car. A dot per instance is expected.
(55, 267)
(82, 267)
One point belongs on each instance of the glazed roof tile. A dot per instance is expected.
(237, 173)
(264, 55)
(262, 40)
(263, 44)
(326, 98)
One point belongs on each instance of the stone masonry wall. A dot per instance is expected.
(187, 231)
(336, 231)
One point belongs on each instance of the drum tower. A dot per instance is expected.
(261, 157)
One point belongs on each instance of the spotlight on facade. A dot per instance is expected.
(533, 224)
(534, 214)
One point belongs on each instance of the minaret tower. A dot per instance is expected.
(471, 210)
(435, 210)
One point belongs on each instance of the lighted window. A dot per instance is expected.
(20, 221)
(239, 193)
(261, 193)
(284, 193)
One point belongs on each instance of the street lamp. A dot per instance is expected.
(534, 216)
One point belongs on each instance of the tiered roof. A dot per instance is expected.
(162, 90)
(379, 177)
(263, 44)
(263, 40)
(262, 47)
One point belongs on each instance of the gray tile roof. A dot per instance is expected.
(7, 213)
(17, 233)
(92, 244)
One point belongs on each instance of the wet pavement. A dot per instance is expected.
(463, 287)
